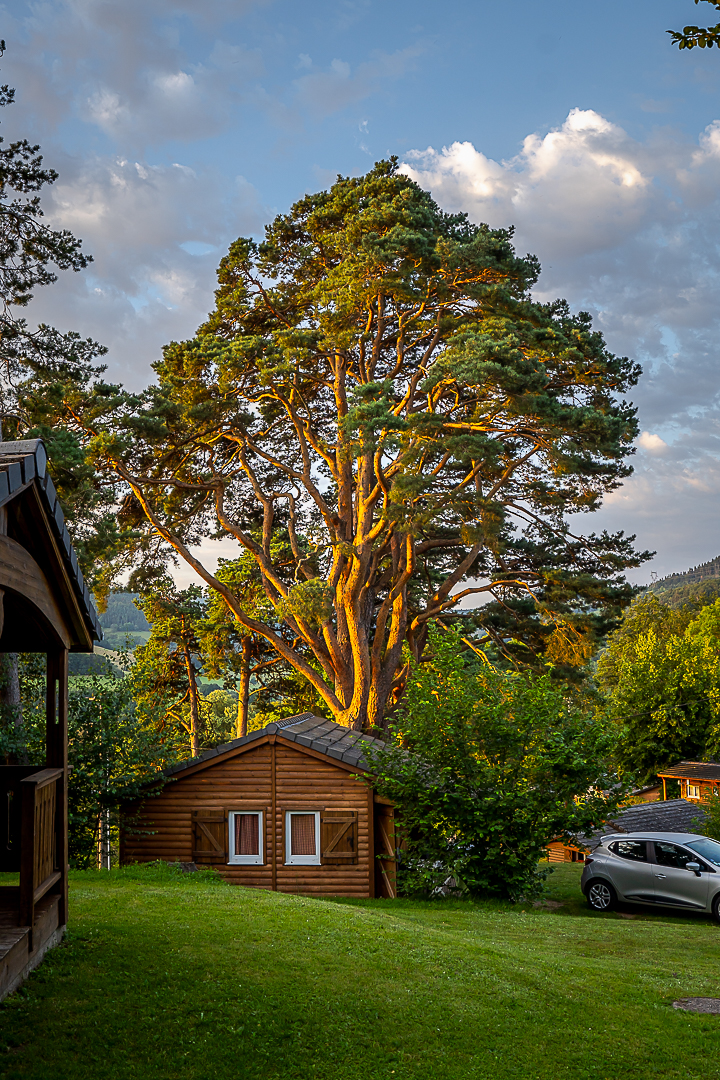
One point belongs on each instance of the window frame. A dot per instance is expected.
(681, 849)
(246, 860)
(614, 845)
(695, 791)
(302, 860)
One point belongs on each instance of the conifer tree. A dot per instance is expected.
(165, 671)
(43, 372)
(377, 383)
(45, 375)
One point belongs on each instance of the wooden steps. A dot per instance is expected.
(17, 958)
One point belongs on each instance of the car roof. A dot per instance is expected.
(672, 837)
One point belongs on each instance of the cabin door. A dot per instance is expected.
(385, 854)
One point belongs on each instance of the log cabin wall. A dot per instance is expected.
(242, 782)
(305, 782)
(273, 778)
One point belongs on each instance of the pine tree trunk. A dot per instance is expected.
(244, 690)
(195, 733)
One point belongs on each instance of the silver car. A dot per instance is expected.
(678, 870)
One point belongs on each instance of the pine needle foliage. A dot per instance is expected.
(377, 384)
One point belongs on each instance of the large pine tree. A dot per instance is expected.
(377, 384)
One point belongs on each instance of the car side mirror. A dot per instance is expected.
(694, 867)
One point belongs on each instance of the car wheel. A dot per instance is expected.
(601, 896)
(716, 908)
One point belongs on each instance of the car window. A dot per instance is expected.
(630, 849)
(671, 855)
(709, 849)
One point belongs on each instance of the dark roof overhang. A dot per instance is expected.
(693, 770)
(36, 524)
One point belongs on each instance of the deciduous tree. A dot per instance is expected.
(231, 651)
(661, 675)
(698, 37)
(487, 768)
(111, 751)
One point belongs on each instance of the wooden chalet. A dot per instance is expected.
(280, 808)
(560, 851)
(44, 607)
(699, 780)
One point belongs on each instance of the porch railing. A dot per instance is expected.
(40, 856)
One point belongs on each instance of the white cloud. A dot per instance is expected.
(110, 90)
(628, 230)
(578, 189)
(155, 233)
(652, 443)
(123, 68)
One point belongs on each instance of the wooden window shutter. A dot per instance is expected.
(210, 836)
(338, 837)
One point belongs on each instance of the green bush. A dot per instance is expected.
(486, 768)
(661, 677)
(111, 753)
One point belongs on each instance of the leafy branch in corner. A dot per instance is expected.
(698, 36)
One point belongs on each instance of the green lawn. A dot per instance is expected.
(166, 975)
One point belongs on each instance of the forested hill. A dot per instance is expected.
(123, 620)
(699, 584)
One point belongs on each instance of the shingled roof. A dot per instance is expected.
(693, 770)
(24, 463)
(672, 815)
(305, 729)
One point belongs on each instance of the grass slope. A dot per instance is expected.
(168, 975)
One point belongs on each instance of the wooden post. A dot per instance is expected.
(56, 718)
(38, 855)
(371, 841)
(664, 790)
(273, 812)
(27, 859)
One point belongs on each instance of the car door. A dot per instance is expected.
(631, 870)
(674, 884)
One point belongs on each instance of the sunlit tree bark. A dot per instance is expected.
(377, 384)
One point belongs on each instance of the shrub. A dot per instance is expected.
(486, 768)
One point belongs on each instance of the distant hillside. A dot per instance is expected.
(698, 586)
(123, 620)
(696, 573)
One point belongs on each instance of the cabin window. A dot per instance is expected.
(693, 791)
(302, 838)
(246, 837)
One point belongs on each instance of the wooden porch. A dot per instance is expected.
(33, 846)
(45, 607)
(21, 950)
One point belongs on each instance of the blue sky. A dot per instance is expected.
(178, 126)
